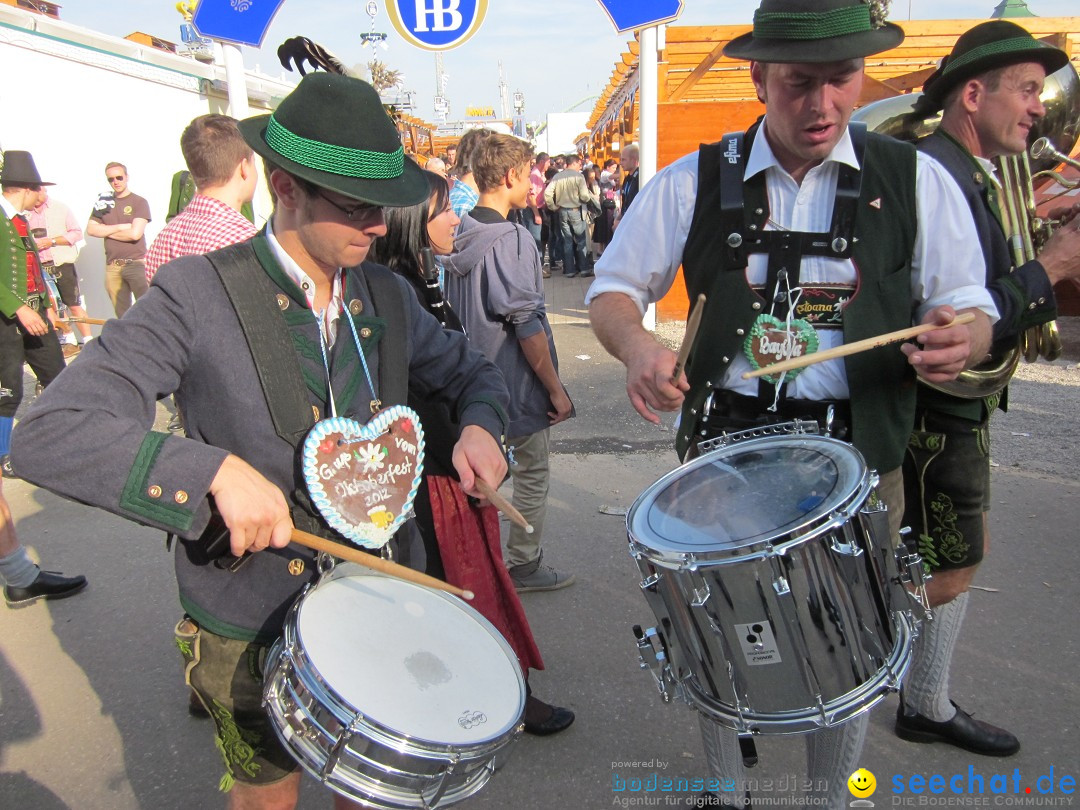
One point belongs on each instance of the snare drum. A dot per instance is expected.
(781, 600)
(392, 694)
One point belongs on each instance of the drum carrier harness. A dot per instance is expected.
(785, 250)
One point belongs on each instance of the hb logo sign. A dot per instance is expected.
(437, 25)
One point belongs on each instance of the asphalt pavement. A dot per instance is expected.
(93, 713)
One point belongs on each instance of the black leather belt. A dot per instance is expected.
(725, 412)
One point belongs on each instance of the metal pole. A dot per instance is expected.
(236, 80)
(647, 98)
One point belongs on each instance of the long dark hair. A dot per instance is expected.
(406, 230)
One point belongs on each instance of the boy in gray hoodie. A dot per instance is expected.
(494, 283)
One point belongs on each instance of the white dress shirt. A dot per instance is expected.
(328, 318)
(947, 263)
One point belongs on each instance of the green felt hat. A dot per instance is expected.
(987, 46)
(815, 31)
(333, 131)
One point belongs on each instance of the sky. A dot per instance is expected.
(558, 53)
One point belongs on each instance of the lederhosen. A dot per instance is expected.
(947, 464)
(879, 237)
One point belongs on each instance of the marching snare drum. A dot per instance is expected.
(392, 694)
(778, 592)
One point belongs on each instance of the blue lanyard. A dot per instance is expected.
(376, 403)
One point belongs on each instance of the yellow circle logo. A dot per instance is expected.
(862, 783)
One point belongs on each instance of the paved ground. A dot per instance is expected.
(93, 717)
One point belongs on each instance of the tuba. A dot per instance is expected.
(1054, 134)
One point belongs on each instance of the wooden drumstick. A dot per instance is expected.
(91, 321)
(375, 563)
(503, 505)
(692, 324)
(856, 347)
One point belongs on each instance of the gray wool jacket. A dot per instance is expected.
(183, 336)
(494, 282)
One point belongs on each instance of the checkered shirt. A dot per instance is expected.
(205, 225)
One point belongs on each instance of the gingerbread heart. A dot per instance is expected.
(771, 340)
(363, 478)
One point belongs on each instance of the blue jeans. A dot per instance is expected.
(534, 229)
(554, 237)
(573, 231)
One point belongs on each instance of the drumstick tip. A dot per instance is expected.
(468, 595)
(529, 529)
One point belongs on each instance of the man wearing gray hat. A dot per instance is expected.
(259, 341)
(799, 209)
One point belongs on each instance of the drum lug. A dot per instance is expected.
(781, 586)
(700, 591)
(652, 656)
(847, 549)
(649, 583)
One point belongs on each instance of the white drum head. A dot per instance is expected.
(745, 495)
(419, 663)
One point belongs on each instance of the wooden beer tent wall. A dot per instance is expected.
(702, 94)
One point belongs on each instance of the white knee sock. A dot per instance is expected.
(926, 690)
(724, 758)
(832, 755)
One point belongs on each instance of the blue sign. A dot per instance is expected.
(626, 15)
(241, 21)
(437, 25)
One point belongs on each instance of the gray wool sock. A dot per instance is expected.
(832, 755)
(926, 690)
(17, 569)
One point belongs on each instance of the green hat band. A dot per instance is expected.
(812, 24)
(1002, 46)
(326, 157)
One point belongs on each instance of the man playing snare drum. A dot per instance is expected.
(333, 161)
(894, 238)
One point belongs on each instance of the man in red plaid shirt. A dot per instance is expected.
(223, 168)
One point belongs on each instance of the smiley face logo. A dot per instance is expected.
(862, 783)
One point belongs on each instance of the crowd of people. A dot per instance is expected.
(334, 309)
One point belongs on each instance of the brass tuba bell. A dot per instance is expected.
(1027, 233)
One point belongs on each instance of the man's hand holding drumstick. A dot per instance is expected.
(950, 342)
(652, 383)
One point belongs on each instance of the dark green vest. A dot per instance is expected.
(881, 382)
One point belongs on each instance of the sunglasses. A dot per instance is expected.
(116, 179)
(352, 213)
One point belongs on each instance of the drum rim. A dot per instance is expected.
(670, 558)
(381, 731)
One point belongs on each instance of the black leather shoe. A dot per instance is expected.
(963, 731)
(558, 719)
(48, 585)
